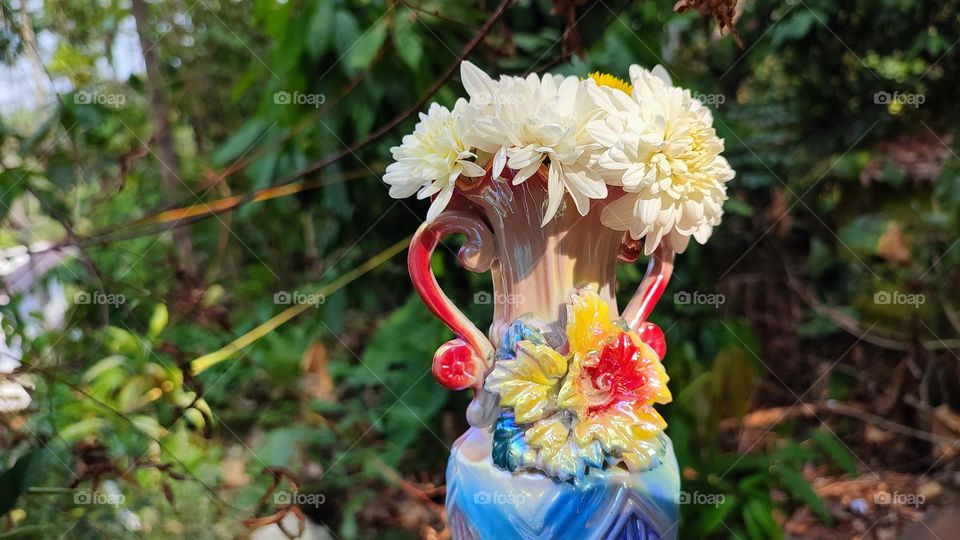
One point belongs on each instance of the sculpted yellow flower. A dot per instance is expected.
(628, 430)
(612, 383)
(592, 408)
(529, 382)
(588, 323)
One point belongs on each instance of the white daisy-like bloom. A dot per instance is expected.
(662, 149)
(429, 160)
(524, 121)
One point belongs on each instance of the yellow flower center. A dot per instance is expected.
(606, 79)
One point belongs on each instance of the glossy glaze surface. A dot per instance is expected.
(534, 269)
(484, 501)
(503, 486)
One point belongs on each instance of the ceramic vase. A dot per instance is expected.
(493, 491)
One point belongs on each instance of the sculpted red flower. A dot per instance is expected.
(615, 374)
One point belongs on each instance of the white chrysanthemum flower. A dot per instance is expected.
(662, 149)
(524, 121)
(429, 160)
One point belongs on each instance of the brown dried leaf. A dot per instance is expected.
(567, 9)
(946, 423)
(723, 11)
(778, 212)
(874, 435)
(168, 494)
(317, 381)
(233, 472)
(892, 245)
(930, 491)
(920, 156)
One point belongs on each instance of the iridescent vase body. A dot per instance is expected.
(535, 271)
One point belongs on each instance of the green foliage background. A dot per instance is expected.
(828, 180)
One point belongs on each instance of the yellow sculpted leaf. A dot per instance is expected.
(558, 454)
(571, 396)
(588, 323)
(548, 436)
(625, 429)
(657, 384)
(529, 382)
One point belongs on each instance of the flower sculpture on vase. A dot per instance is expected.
(553, 179)
(592, 407)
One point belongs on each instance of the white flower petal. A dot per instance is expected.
(660, 72)
(499, 162)
(694, 209)
(554, 193)
(651, 241)
(649, 209)
(603, 132)
(618, 214)
(440, 202)
(526, 172)
(402, 191)
(475, 81)
(471, 169)
(428, 190)
(703, 234)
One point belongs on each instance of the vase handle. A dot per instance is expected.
(654, 283)
(463, 361)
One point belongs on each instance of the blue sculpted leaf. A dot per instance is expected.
(508, 443)
(515, 333)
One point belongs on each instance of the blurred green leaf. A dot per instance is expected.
(280, 445)
(347, 34)
(794, 26)
(18, 478)
(321, 30)
(836, 451)
(361, 53)
(793, 481)
(758, 517)
(409, 45)
(240, 141)
(863, 233)
(61, 172)
(713, 517)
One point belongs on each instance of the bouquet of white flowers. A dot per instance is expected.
(652, 142)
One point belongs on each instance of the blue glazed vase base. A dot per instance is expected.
(486, 502)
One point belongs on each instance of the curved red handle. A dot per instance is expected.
(654, 283)
(462, 362)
